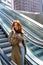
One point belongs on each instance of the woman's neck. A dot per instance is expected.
(17, 31)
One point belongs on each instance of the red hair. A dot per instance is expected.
(18, 24)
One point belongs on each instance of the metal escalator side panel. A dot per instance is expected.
(6, 59)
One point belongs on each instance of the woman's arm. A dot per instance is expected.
(24, 43)
(12, 38)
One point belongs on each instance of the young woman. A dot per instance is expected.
(16, 39)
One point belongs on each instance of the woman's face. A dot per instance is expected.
(16, 26)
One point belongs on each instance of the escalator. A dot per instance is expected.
(30, 32)
(16, 15)
(37, 31)
(34, 52)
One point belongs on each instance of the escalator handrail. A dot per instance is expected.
(34, 22)
(32, 35)
(5, 4)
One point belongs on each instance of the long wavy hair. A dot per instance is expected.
(18, 24)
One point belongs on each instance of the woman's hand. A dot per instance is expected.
(12, 29)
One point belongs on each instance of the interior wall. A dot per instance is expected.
(36, 17)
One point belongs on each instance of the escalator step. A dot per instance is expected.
(35, 49)
(7, 49)
(6, 44)
(41, 57)
(39, 52)
(2, 36)
(29, 44)
(0, 30)
(3, 40)
(1, 33)
(9, 55)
